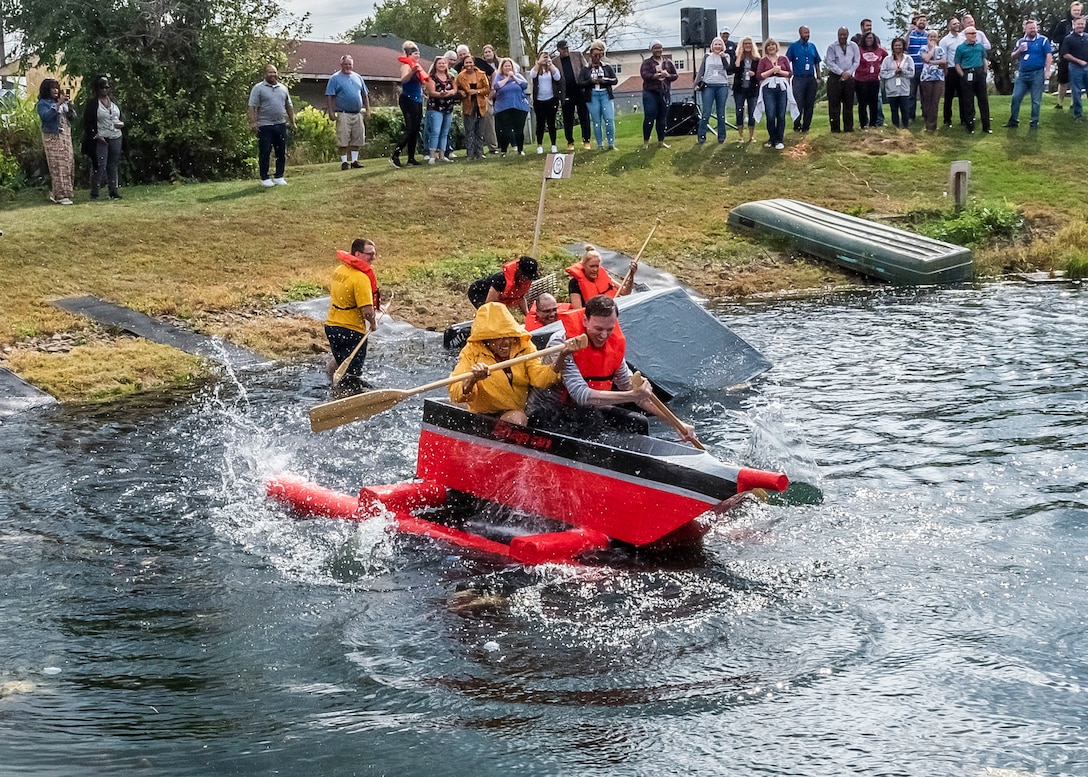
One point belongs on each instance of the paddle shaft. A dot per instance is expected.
(525, 357)
(629, 278)
(663, 410)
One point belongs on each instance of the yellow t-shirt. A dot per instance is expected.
(349, 292)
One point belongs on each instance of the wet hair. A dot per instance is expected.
(602, 305)
(45, 91)
(358, 246)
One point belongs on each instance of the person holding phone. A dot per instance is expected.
(55, 112)
(102, 127)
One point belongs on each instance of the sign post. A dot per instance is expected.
(557, 166)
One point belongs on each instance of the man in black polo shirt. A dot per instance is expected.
(1074, 50)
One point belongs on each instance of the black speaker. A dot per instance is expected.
(710, 26)
(691, 21)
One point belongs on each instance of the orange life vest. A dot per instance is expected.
(590, 289)
(513, 291)
(597, 365)
(532, 320)
(363, 266)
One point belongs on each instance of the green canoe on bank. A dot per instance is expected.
(866, 247)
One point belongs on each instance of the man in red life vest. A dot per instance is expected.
(508, 286)
(353, 297)
(544, 311)
(595, 379)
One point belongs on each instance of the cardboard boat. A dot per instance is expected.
(624, 488)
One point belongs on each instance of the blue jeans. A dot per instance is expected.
(715, 95)
(742, 98)
(774, 107)
(1078, 79)
(1027, 82)
(438, 130)
(900, 111)
(269, 137)
(655, 110)
(602, 111)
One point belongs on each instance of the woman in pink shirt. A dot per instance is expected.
(867, 80)
(774, 74)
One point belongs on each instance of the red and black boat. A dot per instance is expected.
(624, 488)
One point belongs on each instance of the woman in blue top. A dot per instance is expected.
(54, 109)
(511, 106)
(412, 76)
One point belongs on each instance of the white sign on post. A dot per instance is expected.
(558, 165)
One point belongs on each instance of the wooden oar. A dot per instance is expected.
(343, 411)
(342, 370)
(668, 415)
(629, 278)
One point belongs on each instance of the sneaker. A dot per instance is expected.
(414, 162)
(1058, 106)
(117, 195)
(355, 166)
(645, 146)
(701, 141)
(556, 150)
(1034, 125)
(395, 160)
(611, 146)
(447, 158)
(345, 166)
(570, 147)
(52, 198)
(430, 160)
(1012, 124)
(768, 145)
(540, 149)
(586, 145)
(267, 183)
(779, 146)
(451, 156)
(277, 181)
(64, 201)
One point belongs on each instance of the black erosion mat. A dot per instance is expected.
(16, 394)
(867, 247)
(140, 325)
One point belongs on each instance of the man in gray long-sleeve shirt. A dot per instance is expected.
(842, 59)
(588, 408)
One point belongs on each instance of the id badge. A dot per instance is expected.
(808, 66)
(970, 77)
(898, 81)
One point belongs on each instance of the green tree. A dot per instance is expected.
(1001, 20)
(420, 20)
(181, 71)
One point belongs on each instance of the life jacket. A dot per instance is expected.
(597, 365)
(363, 266)
(532, 320)
(590, 289)
(513, 291)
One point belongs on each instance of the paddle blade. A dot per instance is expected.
(330, 415)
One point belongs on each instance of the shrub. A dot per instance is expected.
(314, 139)
(21, 136)
(972, 226)
(11, 177)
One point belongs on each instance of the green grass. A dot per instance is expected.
(200, 249)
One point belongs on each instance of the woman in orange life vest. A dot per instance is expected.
(588, 279)
(353, 297)
(508, 286)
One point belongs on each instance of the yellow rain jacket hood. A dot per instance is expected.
(499, 392)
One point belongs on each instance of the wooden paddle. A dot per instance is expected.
(668, 415)
(361, 406)
(342, 370)
(629, 278)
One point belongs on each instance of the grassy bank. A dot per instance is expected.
(219, 256)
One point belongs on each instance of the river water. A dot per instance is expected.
(927, 618)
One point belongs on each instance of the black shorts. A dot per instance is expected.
(342, 341)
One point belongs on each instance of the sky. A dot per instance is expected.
(658, 20)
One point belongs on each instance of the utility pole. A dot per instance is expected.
(513, 30)
(765, 14)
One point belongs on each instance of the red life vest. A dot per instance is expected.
(532, 321)
(597, 365)
(363, 266)
(513, 292)
(590, 289)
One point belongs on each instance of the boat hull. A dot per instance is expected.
(637, 493)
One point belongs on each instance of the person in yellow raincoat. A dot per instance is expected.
(496, 336)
